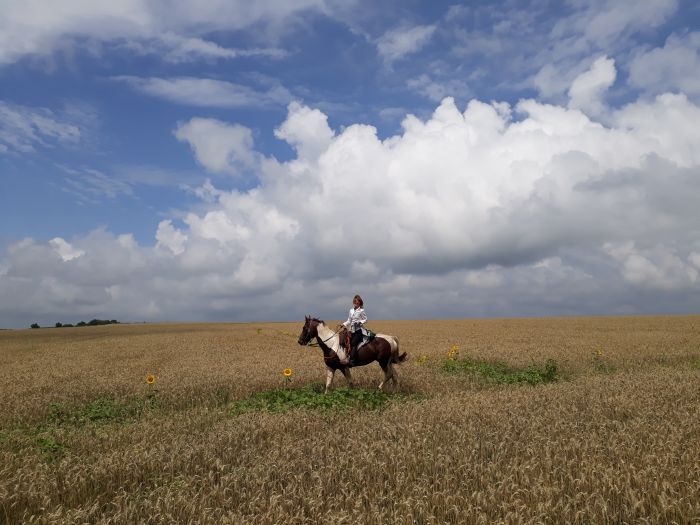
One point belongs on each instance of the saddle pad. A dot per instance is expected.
(367, 336)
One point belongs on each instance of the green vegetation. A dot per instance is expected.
(103, 409)
(49, 446)
(499, 372)
(312, 398)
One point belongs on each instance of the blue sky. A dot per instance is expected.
(451, 159)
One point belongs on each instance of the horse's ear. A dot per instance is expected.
(308, 317)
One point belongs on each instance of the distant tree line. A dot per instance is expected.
(93, 322)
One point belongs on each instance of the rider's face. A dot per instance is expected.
(356, 303)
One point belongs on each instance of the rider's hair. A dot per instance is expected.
(359, 299)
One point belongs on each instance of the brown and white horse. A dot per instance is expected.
(383, 348)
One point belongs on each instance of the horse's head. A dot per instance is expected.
(309, 331)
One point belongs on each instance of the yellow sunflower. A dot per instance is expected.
(150, 379)
(287, 372)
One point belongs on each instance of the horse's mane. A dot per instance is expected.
(318, 320)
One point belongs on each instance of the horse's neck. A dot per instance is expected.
(327, 337)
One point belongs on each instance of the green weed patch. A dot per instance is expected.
(50, 447)
(499, 372)
(312, 398)
(101, 410)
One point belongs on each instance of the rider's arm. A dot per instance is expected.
(347, 323)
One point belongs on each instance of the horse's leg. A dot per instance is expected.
(386, 368)
(348, 376)
(329, 378)
(394, 375)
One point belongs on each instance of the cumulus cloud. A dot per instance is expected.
(37, 28)
(306, 130)
(170, 238)
(588, 88)
(400, 42)
(675, 66)
(218, 146)
(659, 267)
(556, 206)
(528, 209)
(64, 249)
(207, 92)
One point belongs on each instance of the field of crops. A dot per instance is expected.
(221, 435)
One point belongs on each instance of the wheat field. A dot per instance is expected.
(615, 439)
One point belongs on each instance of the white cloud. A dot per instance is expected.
(593, 28)
(89, 185)
(673, 67)
(64, 249)
(207, 92)
(437, 90)
(178, 49)
(660, 267)
(170, 238)
(588, 88)
(492, 209)
(400, 42)
(307, 130)
(605, 21)
(22, 128)
(218, 146)
(38, 28)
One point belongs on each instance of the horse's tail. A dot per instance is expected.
(395, 356)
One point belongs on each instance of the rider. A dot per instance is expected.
(356, 318)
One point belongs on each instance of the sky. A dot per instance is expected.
(226, 160)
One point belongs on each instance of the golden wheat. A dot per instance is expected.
(616, 439)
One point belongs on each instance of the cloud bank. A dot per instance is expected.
(491, 209)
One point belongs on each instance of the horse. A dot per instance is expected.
(383, 348)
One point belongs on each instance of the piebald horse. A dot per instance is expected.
(383, 348)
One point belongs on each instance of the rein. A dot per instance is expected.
(318, 344)
(311, 343)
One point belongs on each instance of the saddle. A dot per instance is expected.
(344, 334)
(367, 336)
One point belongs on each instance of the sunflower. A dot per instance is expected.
(150, 379)
(287, 372)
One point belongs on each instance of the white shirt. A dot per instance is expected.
(356, 318)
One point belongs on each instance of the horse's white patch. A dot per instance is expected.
(331, 340)
(329, 378)
(391, 340)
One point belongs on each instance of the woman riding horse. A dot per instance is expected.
(383, 348)
(356, 319)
